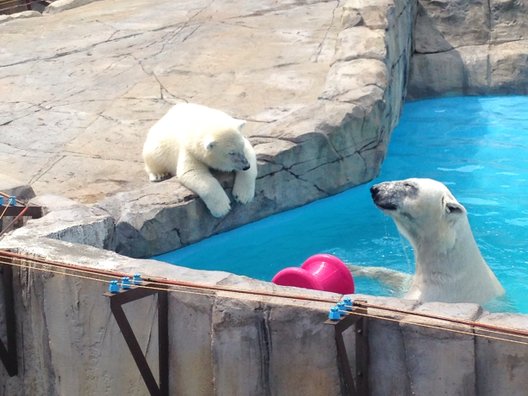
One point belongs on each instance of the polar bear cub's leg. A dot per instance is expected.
(156, 173)
(244, 187)
(196, 176)
(159, 158)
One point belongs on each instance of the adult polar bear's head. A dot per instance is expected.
(422, 209)
(449, 265)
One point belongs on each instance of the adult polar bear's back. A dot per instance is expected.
(188, 141)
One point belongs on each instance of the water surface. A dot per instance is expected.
(477, 146)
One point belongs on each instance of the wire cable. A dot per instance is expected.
(162, 284)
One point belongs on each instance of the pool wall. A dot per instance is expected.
(225, 344)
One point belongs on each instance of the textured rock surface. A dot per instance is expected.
(502, 364)
(321, 90)
(470, 47)
(10, 186)
(70, 221)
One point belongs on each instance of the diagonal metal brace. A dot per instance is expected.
(8, 354)
(117, 300)
(359, 386)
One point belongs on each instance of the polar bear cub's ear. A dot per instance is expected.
(209, 143)
(239, 124)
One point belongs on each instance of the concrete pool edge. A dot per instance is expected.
(276, 335)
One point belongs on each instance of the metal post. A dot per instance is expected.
(359, 386)
(9, 355)
(117, 300)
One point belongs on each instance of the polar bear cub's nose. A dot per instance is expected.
(241, 162)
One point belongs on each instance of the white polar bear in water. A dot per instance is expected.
(191, 139)
(449, 266)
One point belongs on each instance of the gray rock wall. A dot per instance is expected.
(469, 47)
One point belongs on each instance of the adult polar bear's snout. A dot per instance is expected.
(449, 265)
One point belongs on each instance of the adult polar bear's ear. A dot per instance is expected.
(452, 205)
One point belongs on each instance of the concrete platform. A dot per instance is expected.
(81, 87)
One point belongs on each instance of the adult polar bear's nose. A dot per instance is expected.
(381, 198)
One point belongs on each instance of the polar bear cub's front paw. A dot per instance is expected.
(157, 177)
(218, 205)
(243, 193)
(244, 189)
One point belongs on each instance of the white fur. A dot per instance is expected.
(449, 265)
(191, 139)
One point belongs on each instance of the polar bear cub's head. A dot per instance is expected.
(422, 209)
(224, 149)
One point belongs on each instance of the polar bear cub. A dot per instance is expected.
(449, 265)
(191, 139)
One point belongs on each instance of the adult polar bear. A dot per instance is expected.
(449, 266)
(191, 139)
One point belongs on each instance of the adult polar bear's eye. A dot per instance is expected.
(411, 189)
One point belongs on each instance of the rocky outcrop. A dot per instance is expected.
(69, 221)
(342, 132)
(14, 187)
(321, 125)
(320, 115)
(469, 47)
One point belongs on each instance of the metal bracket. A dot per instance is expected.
(8, 354)
(117, 300)
(32, 211)
(359, 387)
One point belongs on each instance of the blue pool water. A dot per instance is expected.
(477, 146)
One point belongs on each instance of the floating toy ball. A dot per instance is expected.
(319, 272)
